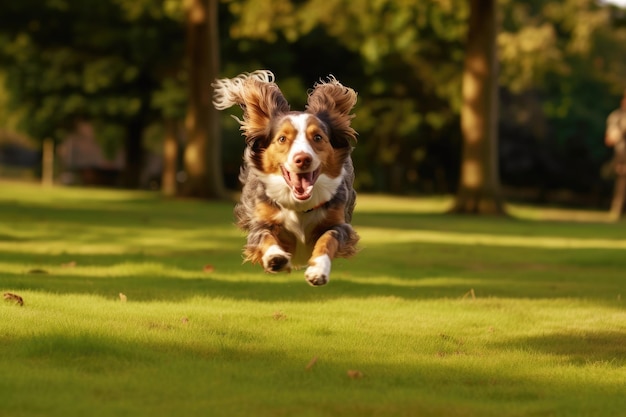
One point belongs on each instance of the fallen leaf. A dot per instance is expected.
(122, 297)
(470, 293)
(70, 264)
(279, 315)
(184, 320)
(8, 296)
(354, 374)
(208, 268)
(311, 363)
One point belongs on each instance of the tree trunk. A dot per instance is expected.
(170, 159)
(619, 196)
(133, 152)
(202, 157)
(479, 187)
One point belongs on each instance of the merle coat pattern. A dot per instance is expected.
(297, 174)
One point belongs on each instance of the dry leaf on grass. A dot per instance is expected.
(184, 320)
(354, 374)
(123, 297)
(279, 315)
(8, 296)
(70, 264)
(311, 363)
(208, 268)
(470, 293)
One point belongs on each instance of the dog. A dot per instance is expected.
(297, 174)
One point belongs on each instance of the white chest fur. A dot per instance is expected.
(301, 225)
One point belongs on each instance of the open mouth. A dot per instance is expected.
(301, 183)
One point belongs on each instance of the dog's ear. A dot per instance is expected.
(259, 97)
(332, 103)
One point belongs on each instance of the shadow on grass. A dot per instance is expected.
(496, 226)
(579, 347)
(255, 374)
(411, 270)
(143, 212)
(405, 254)
(180, 276)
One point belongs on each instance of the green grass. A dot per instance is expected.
(440, 315)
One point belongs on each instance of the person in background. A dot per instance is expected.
(615, 137)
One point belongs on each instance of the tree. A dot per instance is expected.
(202, 156)
(562, 71)
(98, 61)
(479, 188)
(171, 99)
(403, 57)
(119, 63)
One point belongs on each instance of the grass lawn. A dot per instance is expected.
(437, 315)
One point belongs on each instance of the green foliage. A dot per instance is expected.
(568, 54)
(404, 59)
(410, 54)
(171, 96)
(438, 315)
(116, 61)
(99, 60)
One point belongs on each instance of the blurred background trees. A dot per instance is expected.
(123, 67)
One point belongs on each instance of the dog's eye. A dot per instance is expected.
(282, 139)
(317, 138)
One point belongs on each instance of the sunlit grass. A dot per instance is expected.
(382, 235)
(438, 315)
(558, 214)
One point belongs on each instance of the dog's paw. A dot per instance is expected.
(319, 271)
(275, 260)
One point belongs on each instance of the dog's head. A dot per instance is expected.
(299, 155)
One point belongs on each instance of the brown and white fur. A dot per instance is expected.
(297, 174)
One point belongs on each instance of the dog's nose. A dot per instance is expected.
(302, 160)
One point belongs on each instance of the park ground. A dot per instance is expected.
(140, 306)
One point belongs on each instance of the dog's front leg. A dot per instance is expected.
(318, 272)
(273, 257)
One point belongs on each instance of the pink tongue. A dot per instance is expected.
(301, 182)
